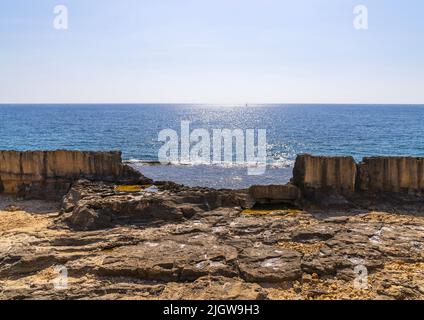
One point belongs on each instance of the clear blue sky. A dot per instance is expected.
(212, 51)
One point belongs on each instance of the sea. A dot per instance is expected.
(319, 129)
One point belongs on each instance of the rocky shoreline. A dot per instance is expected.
(126, 237)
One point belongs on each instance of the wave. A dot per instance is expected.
(279, 163)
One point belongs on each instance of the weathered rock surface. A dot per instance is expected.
(94, 205)
(274, 194)
(215, 252)
(171, 242)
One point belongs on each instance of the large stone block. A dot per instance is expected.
(77, 164)
(325, 174)
(49, 174)
(274, 194)
(391, 175)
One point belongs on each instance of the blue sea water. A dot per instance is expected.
(356, 130)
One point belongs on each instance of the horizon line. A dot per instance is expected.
(211, 104)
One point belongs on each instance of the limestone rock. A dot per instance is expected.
(320, 174)
(50, 174)
(391, 175)
(274, 194)
(266, 264)
(171, 261)
(215, 254)
(93, 205)
(214, 288)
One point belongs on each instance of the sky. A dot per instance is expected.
(212, 51)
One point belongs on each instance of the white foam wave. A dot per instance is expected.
(280, 163)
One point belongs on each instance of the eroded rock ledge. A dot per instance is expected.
(99, 205)
(222, 253)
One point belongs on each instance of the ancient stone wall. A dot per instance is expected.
(326, 174)
(391, 174)
(341, 175)
(47, 174)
